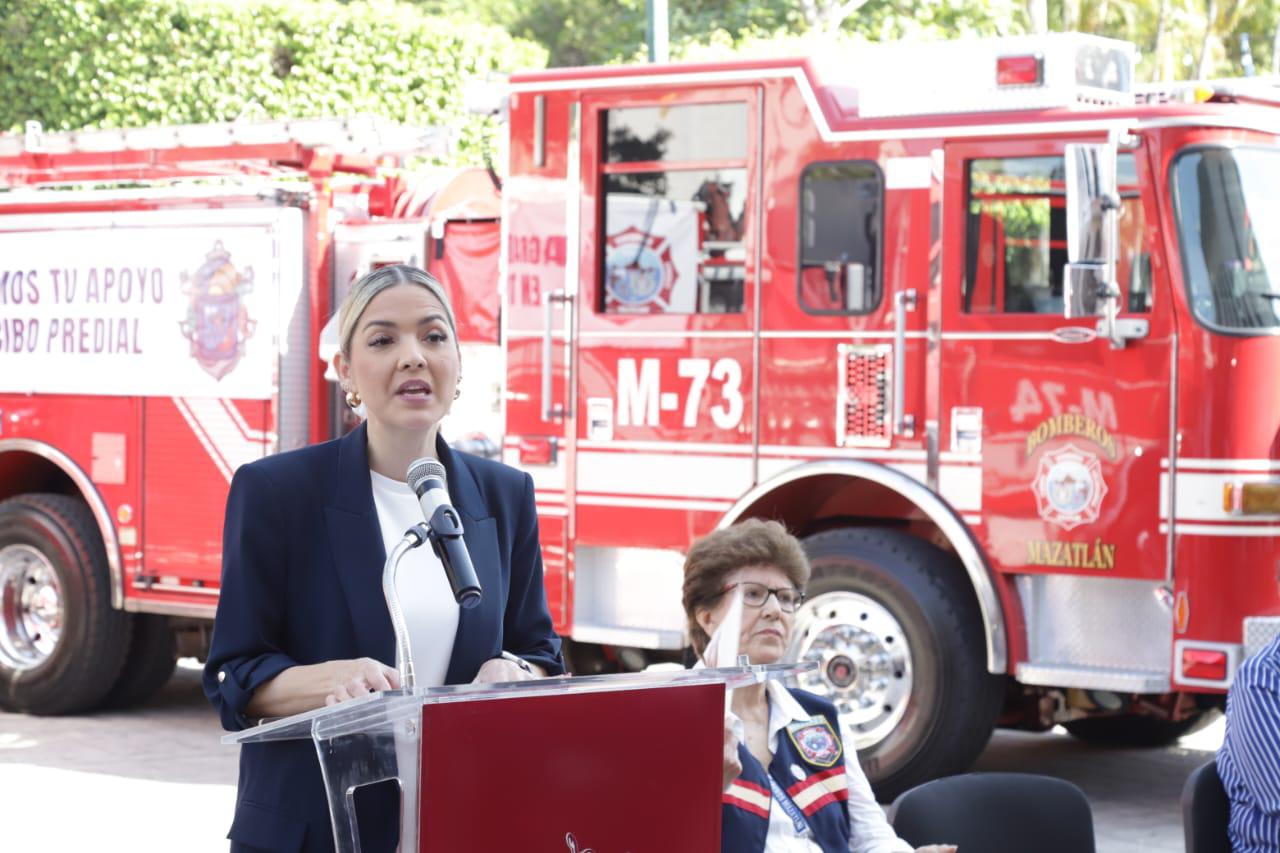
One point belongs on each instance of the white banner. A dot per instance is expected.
(536, 239)
(651, 255)
(156, 303)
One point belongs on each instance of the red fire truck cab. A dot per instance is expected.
(995, 333)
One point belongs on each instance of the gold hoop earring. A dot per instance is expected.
(353, 399)
(457, 388)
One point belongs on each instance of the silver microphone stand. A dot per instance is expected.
(413, 538)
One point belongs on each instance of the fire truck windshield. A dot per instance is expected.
(1228, 208)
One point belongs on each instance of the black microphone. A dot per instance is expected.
(427, 479)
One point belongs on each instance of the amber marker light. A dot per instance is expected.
(1251, 498)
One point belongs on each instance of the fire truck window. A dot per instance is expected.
(687, 132)
(1015, 241)
(841, 208)
(1016, 237)
(1227, 203)
(1133, 261)
(673, 242)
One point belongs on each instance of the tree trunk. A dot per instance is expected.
(811, 16)
(1038, 12)
(1070, 15)
(1210, 18)
(1099, 22)
(835, 12)
(1160, 68)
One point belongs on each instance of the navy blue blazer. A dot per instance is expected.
(302, 584)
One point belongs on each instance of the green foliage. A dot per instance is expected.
(1179, 39)
(1176, 39)
(73, 64)
(598, 32)
(875, 20)
(574, 32)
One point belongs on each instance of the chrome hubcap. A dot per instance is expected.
(31, 612)
(864, 662)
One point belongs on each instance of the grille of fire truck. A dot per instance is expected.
(863, 406)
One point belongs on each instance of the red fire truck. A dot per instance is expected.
(993, 331)
(163, 298)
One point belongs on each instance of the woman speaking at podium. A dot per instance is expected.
(302, 621)
(790, 784)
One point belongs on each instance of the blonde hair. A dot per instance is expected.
(374, 282)
(753, 542)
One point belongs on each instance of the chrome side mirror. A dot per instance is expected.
(1084, 288)
(1093, 203)
(1089, 286)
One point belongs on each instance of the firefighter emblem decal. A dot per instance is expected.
(639, 272)
(1069, 487)
(217, 323)
(816, 741)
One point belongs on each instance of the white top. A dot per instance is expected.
(425, 597)
(870, 830)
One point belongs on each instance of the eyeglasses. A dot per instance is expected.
(756, 594)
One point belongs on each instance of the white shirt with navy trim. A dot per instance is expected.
(869, 829)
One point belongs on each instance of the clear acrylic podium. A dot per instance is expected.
(624, 763)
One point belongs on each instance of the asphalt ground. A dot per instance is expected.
(157, 779)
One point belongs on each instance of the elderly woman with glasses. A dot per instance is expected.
(789, 783)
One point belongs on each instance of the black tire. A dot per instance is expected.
(1136, 729)
(152, 656)
(75, 673)
(946, 717)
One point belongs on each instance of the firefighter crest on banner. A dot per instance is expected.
(217, 322)
(651, 256)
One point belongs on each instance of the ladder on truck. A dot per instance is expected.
(360, 143)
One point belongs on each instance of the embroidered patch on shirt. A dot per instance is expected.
(816, 741)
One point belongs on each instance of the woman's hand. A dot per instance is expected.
(732, 765)
(501, 669)
(305, 688)
(348, 679)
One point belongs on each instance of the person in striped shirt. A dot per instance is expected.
(1249, 761)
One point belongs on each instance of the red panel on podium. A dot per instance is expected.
(627, 771)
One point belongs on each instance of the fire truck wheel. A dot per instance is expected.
(152, 656)
(897, 636)
(1136, 729)
(62, 644)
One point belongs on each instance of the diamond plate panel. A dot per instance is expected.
(1101, 623)
(1259, 631)
(1094, 678)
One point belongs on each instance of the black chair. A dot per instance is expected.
(1206, 811)
(997, 813)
